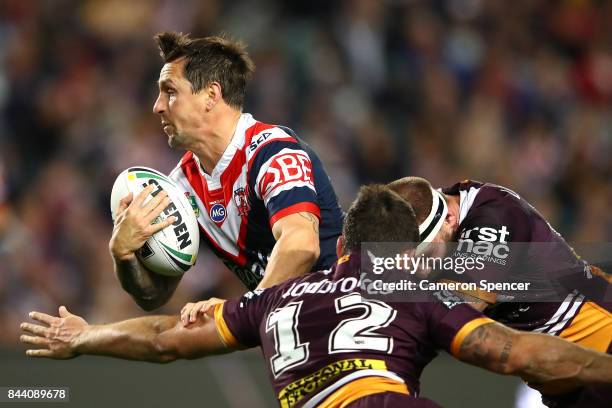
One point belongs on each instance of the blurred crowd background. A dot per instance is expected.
(517, 93)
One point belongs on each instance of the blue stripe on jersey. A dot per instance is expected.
(288, 198)
(332, 216)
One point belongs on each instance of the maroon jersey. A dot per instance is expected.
(324, 343)
(495, 219)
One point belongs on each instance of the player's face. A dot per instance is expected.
(447, 231)
(179, 108)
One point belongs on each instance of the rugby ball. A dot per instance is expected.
(173, 250)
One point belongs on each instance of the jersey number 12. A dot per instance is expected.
(354, 334)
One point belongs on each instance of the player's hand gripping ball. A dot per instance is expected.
(172, 250)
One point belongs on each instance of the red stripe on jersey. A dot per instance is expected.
(296, 208)
(233, 172)
(186, 157)
(189, 166)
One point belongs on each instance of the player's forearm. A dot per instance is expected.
(548, 363)
(149, 290)
(293, 255)
(135, 279)
(134, 339)
(550, 360)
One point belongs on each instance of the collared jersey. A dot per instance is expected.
(265, 174)
(326, 345)
(496, 218)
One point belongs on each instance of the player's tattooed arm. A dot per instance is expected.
(314, 221)
(547, 363)
(488, 346)
(132, 228)
(149, 290)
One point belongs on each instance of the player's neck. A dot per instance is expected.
(216, 137)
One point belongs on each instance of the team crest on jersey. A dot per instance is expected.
(218, 213)
(241, 199)
(193, 203)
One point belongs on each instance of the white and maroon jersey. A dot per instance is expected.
(265, 174)
(494, 222)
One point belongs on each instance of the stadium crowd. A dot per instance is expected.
(516, 94)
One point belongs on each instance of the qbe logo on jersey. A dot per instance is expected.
(292, 169)
(217, 213)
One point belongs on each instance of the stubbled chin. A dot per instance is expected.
(170, 136)
(171, 141)
(174, 141)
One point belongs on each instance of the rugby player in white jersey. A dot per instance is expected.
(263, 201)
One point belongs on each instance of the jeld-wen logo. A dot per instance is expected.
(485, 241)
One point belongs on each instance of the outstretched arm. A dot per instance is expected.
(158, 339)
(547, 363)
(295, 252)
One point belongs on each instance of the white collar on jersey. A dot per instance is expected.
(466, 200)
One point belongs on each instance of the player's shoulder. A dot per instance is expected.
(480, 200)
(475, 193)
(500, 201)
(264, 139)
(495, 212)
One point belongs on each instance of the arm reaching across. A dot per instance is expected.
(547, 363)
(132, 229)
(295, 252)
(158, 339)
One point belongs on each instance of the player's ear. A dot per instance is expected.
(339, 246)
(214, 95)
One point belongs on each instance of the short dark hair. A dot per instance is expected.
(417, 191)
(379, 215)
(210, 59)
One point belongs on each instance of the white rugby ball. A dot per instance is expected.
(173, 250)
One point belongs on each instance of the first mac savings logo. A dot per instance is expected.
(489, 243)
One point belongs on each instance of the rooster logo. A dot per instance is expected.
(241, 200)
